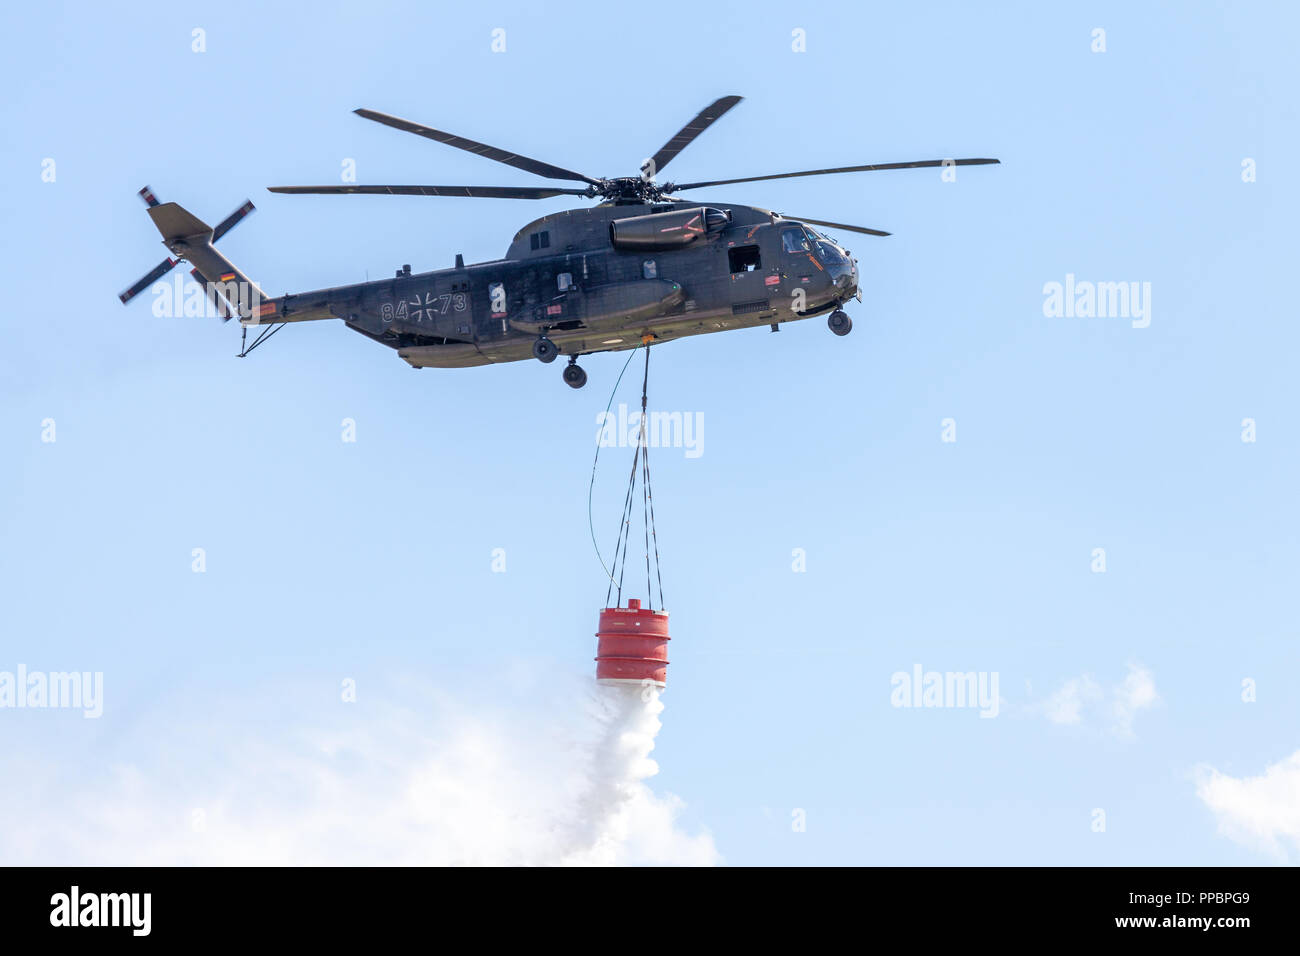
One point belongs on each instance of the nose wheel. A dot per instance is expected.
(840, 323)
(544, 350)
(574, 375)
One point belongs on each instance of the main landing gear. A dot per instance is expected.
(574, 376)
(544, 350)
(840, 323)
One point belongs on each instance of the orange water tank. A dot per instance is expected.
(632, 644)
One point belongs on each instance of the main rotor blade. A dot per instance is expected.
(836, 225)
(464, 192)
(479, 149)
(686, 135)
(839, 169)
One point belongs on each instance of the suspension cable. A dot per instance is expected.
(624, 531)
(591, 525)
(650, 495)
(623, 543)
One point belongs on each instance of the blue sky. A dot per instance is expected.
(371, 560)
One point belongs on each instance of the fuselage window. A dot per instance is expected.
(743, 259)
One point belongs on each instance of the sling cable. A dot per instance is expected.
(632, 641)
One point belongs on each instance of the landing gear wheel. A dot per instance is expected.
(544, 350)
(840, 323)
(574, 376)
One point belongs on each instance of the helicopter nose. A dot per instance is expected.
(848, 280)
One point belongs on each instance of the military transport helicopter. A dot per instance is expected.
(642, 266)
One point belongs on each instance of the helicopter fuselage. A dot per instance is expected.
(598, 279)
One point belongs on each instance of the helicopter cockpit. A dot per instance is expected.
(802, 239)
(794, 240)
(840, 268)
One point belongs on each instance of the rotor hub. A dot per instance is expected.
(630, 189)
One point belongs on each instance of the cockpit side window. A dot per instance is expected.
(793, 240)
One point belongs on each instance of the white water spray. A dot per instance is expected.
(446, 780)
(617, 801)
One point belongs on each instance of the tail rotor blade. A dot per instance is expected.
(232, 220)
(149, 278)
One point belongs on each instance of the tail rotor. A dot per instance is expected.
(164, 267)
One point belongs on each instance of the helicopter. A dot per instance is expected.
(643, 266)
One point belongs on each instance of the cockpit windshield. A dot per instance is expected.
(828, 252)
